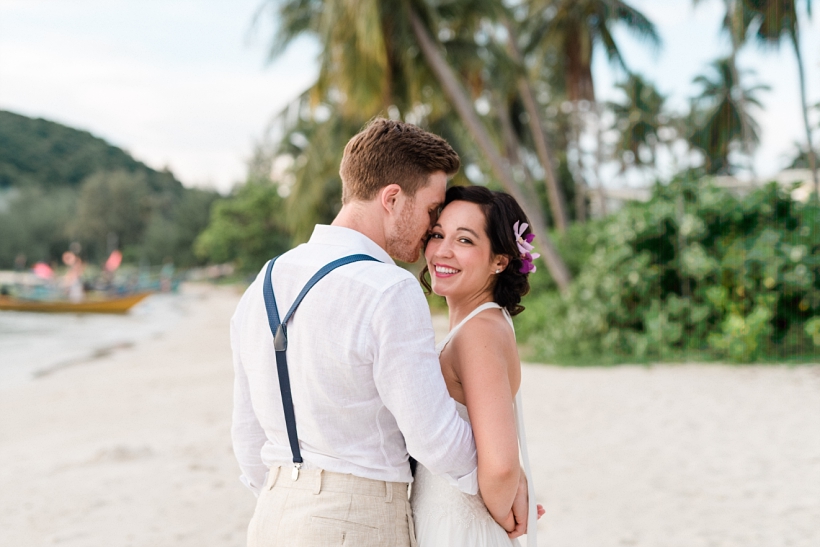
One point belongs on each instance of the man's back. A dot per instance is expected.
(362, 366)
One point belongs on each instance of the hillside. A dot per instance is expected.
(37, 152)
(60, 186)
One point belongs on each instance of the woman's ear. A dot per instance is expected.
(501, 262)
(389, 195)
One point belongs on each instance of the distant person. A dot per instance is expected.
(20, 262)
(322, 427)
(166, 275)
(19, 268)
(73, 279)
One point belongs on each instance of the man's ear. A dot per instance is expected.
(389, 195)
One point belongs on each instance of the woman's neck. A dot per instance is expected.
(461, 307)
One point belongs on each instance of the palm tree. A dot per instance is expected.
(575, 27)
(800, 157)
(572, 29)
(638, 120)
(719, 113)
(736, 21)
(776, 20)
(370, 64)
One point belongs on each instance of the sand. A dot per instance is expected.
(134, 449)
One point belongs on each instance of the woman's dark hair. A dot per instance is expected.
(501, 212)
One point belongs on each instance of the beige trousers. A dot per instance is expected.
(325, 509)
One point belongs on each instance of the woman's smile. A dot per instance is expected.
(442, 270)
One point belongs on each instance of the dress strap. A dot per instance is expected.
(454, 330)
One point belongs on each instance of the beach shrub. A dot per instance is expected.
(247, 228)
(694, 273)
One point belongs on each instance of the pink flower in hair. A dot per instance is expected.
(525, 247)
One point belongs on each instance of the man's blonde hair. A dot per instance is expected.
(390, 152)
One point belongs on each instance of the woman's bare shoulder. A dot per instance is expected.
(487, 333)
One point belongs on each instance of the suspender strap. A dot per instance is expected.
(280, 343)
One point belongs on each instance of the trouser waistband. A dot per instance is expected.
(319, 480)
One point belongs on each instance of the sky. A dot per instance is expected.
(187, 84)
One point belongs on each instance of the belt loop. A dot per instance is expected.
(274, 474)
(318, 487)
(388, 486)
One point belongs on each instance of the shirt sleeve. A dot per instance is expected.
(408, 377)
(247, 434)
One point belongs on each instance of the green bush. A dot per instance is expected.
(693, 273)
(247, 228)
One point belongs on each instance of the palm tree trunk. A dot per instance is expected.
(464, 107)
(576, 168)
(812, 157)
(734, 27)
(558, 204)
(599, 158)
(512, 152)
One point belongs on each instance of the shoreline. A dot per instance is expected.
(38, 344)
(133, 449)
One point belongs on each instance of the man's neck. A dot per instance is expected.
(362, 217)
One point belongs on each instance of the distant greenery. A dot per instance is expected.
(59, 185)
(248, 228)
(693, 273)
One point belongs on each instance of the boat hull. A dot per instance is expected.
(110, 305)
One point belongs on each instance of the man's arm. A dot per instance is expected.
(408, 377)
(246, 432)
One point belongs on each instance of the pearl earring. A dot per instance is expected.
(498, 271)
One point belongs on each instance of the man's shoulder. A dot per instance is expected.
(306, 259)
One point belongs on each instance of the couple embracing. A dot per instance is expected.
(339, 385)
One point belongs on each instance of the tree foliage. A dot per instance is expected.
(720, 277)
(573, 29)
(247, 228)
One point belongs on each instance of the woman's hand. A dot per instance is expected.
(521, 509)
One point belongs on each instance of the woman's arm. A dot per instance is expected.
(483, 356)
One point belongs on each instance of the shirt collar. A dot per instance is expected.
(339, 236)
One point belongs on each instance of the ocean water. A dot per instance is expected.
(36, 344)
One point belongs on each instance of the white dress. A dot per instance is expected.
(446, 517)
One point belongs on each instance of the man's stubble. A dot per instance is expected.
(405, 242)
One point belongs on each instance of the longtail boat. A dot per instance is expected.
(119, 304)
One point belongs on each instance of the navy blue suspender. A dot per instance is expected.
(280, 343)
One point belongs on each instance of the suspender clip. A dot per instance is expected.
(280, 339)
(295, 473)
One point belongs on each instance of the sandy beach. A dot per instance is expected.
(133, 449)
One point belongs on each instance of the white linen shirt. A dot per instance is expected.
(366, 382)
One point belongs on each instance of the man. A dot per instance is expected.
(365, 379)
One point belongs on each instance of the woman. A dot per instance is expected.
(479, 256)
